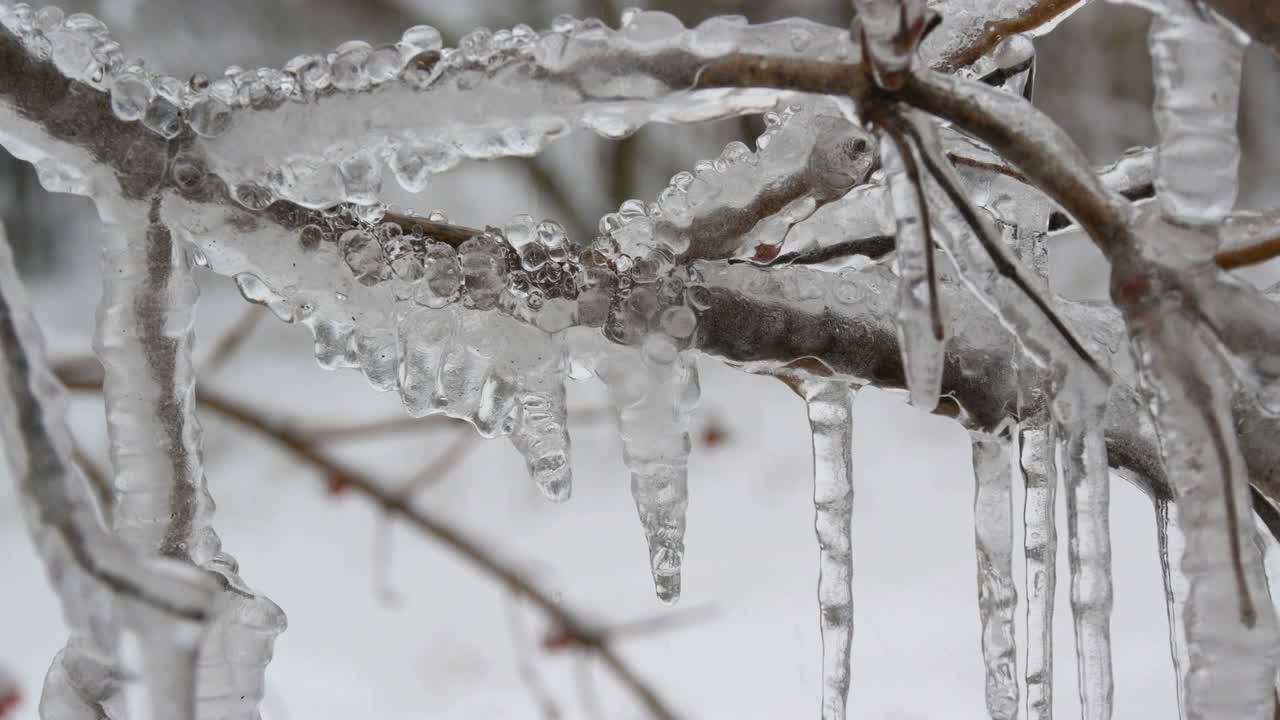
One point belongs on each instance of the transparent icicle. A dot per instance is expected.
(1171, 545)
(144, 342)
(1197, 62)
(1041, 548)
(997, 593)
(831, 423)
(1081, 458)
(1231, 633)
(920, 335)
(655, 392)
(102, 585)
(1035, 455)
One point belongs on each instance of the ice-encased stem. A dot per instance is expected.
(1081, 457)
(1230, 629)
(920, 334)
(1040, 545)
(830, 407)
(1171, 545)
(144, 340)
(997, 593)
(101, 584)
(1196, 63)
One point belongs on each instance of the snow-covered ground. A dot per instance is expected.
(444, 648)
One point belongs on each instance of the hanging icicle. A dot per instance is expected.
(831, 423)
(1040, 545)
(997, 594)
(1171, 545)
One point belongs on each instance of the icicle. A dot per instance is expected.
(163, 506)
(830, 420)
(1171, 545)
(1035, 458)
(997, 594)
(1081, 458)
(920, 332)
(655, 391)
(101, 584)
(1040, 546)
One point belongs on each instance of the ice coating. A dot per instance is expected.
(920, 331)
(746, 203)
(831, 423)
(997, 593)
(1171, 544)
(320, 130)
(103, 585)
(143, 340)
(1197, 61)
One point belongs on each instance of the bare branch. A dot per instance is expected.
(235, 338)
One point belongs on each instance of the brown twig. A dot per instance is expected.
(1252, 253)
(235, 338)
(453, 538)
(993, 33)
(527, 662)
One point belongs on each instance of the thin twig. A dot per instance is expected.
(1252, 253)
(235, 338)
(995, 251)
(527, 662)
(464, 441)
(453, 538)
(993, 33)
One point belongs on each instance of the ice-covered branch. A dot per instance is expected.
(106, 588)
(144, 341)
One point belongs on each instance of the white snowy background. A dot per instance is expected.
(409, 630)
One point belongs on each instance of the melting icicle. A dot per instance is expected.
(1171, 545)
(997, 593)
(1040, 546)
(830, 420)
(163, 505)
(920, 332)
